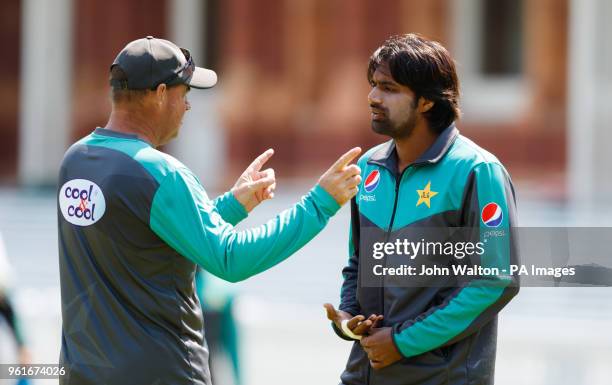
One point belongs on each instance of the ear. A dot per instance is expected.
(161, 92)
(424, 105)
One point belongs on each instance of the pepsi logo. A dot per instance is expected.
(372, 181)
(81, 202)
(492, 215)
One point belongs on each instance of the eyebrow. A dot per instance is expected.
(384, 83)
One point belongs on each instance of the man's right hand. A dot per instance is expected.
(358, 324)
(341, 181)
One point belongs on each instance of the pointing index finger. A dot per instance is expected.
(346, 158)
(261, 160)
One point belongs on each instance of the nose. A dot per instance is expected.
(187, 105)
(374, 96)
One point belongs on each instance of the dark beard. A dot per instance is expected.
(387, 128)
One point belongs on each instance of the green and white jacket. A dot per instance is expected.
(443, 325)
(133, 224)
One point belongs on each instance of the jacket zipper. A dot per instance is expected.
(397, 186)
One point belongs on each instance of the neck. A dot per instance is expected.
(131, 122)
(410, 148)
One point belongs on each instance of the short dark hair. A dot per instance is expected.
(427, 68)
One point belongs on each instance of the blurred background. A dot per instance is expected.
(536, 80)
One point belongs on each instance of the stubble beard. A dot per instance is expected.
(387, 128)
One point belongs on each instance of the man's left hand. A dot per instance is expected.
(380, 348)
(255, 186)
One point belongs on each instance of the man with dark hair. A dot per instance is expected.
(134, 223)
(411, 327)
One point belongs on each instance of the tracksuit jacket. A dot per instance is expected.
(133, 224)
(444, 326)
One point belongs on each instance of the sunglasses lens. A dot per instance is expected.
(186, 53)
(187, 71)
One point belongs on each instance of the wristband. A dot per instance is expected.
(348, 332)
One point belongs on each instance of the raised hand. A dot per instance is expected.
(255, 186)
(341, 181)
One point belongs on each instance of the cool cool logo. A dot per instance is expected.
(81, 202)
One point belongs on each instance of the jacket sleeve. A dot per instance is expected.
(230, 209)
(348, 292)
(476, 302)
(184, 218)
